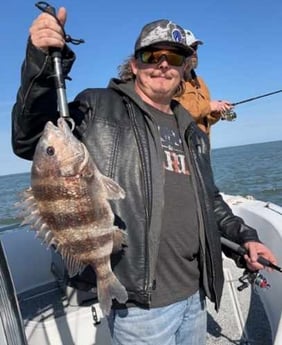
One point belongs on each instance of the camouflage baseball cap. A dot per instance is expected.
(163, 32)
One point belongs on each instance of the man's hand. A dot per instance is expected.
(220, 106)
(256, 249)
(45, 31)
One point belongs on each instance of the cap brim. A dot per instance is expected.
(186, 50)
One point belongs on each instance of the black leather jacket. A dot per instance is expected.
(116, 126)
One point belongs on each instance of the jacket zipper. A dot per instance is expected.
(132, 117)
(205, 252)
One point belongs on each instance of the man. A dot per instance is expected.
(173, 213)
(196, 98)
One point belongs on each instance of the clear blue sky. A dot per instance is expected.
(241, 56)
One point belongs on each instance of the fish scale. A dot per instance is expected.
(67, 205)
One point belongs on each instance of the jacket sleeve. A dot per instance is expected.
(36, 101)
(233, 228)
(196, 100)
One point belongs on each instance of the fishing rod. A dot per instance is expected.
(230, 115)
(243, 251)
(254, 98)
(56, 56)
(250, 277)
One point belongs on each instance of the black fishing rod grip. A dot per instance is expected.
(242, 251)
(54, 52)
(59, 78)
(234, 246)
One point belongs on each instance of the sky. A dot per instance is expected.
(240, 58)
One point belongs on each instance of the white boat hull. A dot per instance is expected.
(266, 218)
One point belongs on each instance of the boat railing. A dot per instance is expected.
(12, 226)
(11, 324)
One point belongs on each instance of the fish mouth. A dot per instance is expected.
(61, 126)
(50, 126)
(79, 153)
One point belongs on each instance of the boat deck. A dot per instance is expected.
(241, 319)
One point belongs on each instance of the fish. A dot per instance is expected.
(67, 204)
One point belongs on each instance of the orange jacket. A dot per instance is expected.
(196, 99)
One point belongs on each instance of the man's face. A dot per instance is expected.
(157, 78)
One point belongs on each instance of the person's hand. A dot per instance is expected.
(220, 106)
(256, 249)
(45, 31)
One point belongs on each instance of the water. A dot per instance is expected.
(11, 186)
(254, 170)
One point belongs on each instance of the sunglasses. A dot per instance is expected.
(195, 47)
(154, 57)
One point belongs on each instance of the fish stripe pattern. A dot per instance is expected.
(68, 207)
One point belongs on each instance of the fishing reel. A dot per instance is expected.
(228, 115)
(252, 278)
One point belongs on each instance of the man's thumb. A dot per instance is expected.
(62, 15)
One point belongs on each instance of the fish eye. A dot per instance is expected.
(50, 151)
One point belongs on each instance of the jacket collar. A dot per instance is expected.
(127, 88)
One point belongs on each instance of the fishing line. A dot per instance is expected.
(230, 115)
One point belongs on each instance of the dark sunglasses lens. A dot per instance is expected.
(175, 59)
(153, 57)
(148, 57)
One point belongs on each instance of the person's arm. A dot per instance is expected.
(196, 100)
(235, 229)
(37, 98)
(217, 109)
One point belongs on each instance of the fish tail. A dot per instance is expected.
(108, 290)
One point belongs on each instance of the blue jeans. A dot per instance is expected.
(181, 323)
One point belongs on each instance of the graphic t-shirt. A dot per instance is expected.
(177, 272)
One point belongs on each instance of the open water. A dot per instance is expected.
(253, 170)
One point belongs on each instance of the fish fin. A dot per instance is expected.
(109, 289)
(113, 189)
(73, 266)
(119, 239)
(31, 216)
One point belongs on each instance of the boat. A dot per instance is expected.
(47, 310)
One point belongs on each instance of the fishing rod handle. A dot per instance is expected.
(54, 52)
(234, 246)
(243, 251)
(59, 78)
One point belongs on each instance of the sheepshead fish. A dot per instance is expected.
(67, 205)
